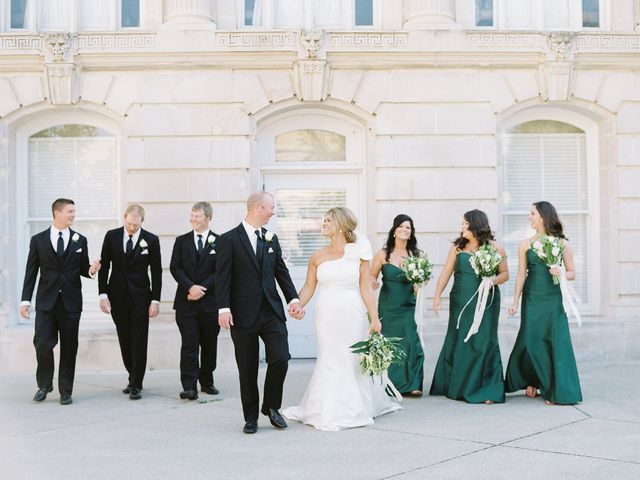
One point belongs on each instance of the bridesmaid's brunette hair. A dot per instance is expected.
(412, 243)
(479, 227)
(549, 215)
(345, 221)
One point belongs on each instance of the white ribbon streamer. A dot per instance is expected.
(388, 385)
(568, 295)
(418, 314)
(485, 287)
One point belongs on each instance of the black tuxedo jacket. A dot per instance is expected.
(57, 274)
(242, 283)
(131, 272)
(189, 269)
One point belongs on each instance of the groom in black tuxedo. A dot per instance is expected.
(193, 265)
(249, 264)
(61, 257)
(129, 252)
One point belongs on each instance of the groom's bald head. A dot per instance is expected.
(260, 208)
(257, 199)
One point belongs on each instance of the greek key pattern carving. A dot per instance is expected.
(244, 40)
(500, 40)
(116, 41)
(608, 42)
(368, 40)
(10, 43)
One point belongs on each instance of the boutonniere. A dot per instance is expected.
(211, 239)
(75, 237)
(268, 236)
(143, 244)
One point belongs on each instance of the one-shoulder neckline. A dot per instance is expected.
(332, 260)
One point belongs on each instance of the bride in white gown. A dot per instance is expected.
(339, 395)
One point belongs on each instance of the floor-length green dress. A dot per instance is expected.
(470, 371)
(542, 356)
(396, 309)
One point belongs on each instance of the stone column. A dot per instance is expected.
(188, 12)
(430, 15)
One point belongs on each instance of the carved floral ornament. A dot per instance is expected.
(560, 44)
(58, 45)
(311, 40)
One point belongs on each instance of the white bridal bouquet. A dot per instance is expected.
(417, 270)
(549, 249)
(377, 353)
(484, 262)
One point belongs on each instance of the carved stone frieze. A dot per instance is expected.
(560, 45)
(115, 41)
(506, 40)
(368, 40)
(10, 43)
(250, 40)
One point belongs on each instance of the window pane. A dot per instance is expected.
(364, 12)
(311, 146)
(484, 13)
(130, 13)
(300, 214)
(591, 13)
(249, 8)
(18, 13)
(72, 130)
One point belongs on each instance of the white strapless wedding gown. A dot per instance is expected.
(339, 395)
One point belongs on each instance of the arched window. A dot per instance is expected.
(547, 160)
(78, 162)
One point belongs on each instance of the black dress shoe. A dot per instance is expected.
(65, 399)
(41, 394)
(250, 427)
(127, 390)
(189, 395)
(134, 394)
(210, 389)
(275, 417)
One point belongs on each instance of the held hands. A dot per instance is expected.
(154, 310)
(225, 320)
(24, 311)
(296, 311)
(196, 292)
(95, 266)
(105, 305)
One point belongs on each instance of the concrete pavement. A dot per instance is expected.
(104, 435)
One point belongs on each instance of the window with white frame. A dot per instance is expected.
(538, 14)
(78, 162)
(547, 160)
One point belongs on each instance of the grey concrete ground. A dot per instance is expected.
(104, 435)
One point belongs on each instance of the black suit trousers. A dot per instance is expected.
(273, 332)
(47, 326)
(199, 331)
(132, 325)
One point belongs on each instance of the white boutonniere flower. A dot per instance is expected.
(211, 239)
(268, 236)
(75, 237)
(143, 244)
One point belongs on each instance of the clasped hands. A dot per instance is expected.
(196, 292)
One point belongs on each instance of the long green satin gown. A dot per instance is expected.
(470, 371)
(542, 356)
(396, 309)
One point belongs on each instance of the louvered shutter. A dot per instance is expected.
(550, 167)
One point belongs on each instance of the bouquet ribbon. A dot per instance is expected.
(418, 314)
(389, 386)
(568, 295)
(485, 287)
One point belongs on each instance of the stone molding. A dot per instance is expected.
(368, 40)
(276, 40)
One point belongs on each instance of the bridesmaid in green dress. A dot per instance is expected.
(542, 357)
(397, 304)
(470, 371)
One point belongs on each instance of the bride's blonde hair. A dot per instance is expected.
(345, 221)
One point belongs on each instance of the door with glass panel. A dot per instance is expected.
(301, 201)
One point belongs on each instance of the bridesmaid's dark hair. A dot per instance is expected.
(412, 243)
(549, 215)
(479, 226)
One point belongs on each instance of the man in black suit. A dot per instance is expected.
(61, 257)
(129, 252)
(249, 265)
(193, 265)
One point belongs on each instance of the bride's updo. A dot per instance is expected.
(345, 221)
